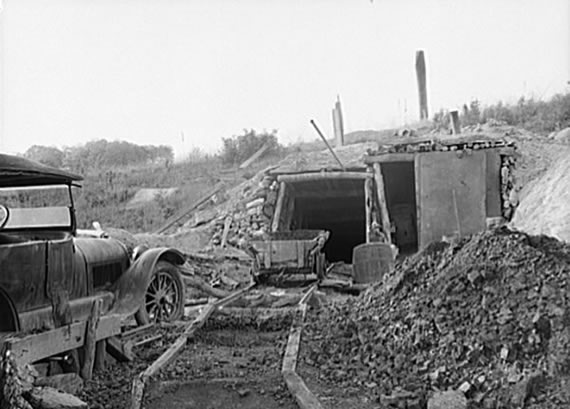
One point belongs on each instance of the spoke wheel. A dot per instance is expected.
(164, 298)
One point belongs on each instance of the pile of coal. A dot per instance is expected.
(486, 320)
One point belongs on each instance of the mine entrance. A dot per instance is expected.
(400, 187)
(336, 205)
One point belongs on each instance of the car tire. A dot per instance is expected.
(164, 297)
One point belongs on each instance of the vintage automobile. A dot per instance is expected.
(47, 265)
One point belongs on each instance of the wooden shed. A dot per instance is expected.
(409, 193)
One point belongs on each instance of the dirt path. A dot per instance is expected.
(225, 368)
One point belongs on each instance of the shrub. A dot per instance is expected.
(238, 148)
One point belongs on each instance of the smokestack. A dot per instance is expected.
(421, 75)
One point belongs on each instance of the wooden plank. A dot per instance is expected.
(297, 387)
(138, 385)
(389, 157)
(292, 349)
(278, 207)
(310, 176)
(255, 156)
(368, 207)
(32, 348)
(454, 122)
(303, 396)
(381, 193)
(100, 355)
(227, 224)
(180, 215)
(89, 345)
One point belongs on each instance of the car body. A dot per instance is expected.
(51, 273)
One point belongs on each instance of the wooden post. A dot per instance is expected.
(91, 340)
(422, 90)
(368, 207)
(454, 119)
(227, 224)
(278, 207)
(380, 191)
(100, 355)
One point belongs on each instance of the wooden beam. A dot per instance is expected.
(368, 201)
(138, 385)
(227, 223)
(278, 207)
(255, 156)
(381, 192)
(32, 348)
(389, 157)
(454, 119)
(309, 176)
(303, 395)
(297, 387)
(90, 343)
(184, 212)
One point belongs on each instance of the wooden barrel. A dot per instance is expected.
(370, 261)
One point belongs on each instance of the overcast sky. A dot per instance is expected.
(150, 71)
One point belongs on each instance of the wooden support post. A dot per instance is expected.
(278, 207)
(100, 355)
(380, 191)
(368, 199)
(454, 119)
(422, 89)
(227, 224)
(91, 340)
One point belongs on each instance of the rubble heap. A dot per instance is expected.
(250, 213)
(487, 319)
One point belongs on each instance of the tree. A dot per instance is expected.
(48, 155)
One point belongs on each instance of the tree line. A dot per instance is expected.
(100, 154)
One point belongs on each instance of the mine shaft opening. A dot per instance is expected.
(400, 188)
(335, 205)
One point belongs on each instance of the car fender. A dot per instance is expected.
(10, 308)
(129, 290)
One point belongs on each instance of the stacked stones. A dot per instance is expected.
(509, 196)
(250, 216)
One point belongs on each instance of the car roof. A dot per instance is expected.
(16, 171)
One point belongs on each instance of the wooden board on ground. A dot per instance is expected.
(137, 389)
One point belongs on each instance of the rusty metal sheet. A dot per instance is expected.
(452, 194)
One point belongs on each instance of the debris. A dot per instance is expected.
(50, 398)
(434, 324)
(69, 383)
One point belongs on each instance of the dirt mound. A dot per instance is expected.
(489, 316)
(545, 204)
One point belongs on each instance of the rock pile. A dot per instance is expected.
(487, 318)
(249, 214)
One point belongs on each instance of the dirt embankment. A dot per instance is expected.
(545, 201)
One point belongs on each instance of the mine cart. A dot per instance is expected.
(290, 252)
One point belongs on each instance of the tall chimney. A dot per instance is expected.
(421, 75)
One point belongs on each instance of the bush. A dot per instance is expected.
(534, 115)
(239, 148)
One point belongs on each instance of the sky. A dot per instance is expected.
(187, 73)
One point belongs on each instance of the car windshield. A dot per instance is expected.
(35, 207)
(35, 196)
